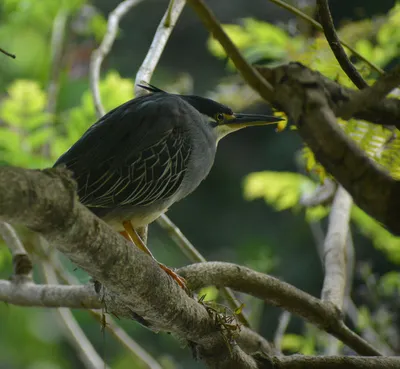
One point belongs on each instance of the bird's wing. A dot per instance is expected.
(135, 155)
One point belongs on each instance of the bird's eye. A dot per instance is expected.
(220, 117)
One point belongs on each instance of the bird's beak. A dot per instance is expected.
(246, 120)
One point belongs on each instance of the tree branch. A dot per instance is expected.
(22, 264)
(157, 46)
(309, 99)
(101, 52)
(46, 202)
(335, 249)
(334, 42)
(195, 257)
(302, 95)
(30, 294)
(330, 362)
(371, 96)
(7, 53)
(318, 26)
(110, 324)
(277, 293)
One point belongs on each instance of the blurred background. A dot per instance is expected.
(246, 211)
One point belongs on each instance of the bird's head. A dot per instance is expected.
(221, 118)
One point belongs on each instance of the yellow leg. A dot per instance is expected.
(131, 235)
(134, 238)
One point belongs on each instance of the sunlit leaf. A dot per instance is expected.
(281, 190)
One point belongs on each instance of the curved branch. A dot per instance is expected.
(195, 257)
(277, 293)
(334, 43)
(134, 285)
(101, 52)
(368, 97)
(303, 95)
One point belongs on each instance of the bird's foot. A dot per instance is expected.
(175, 276)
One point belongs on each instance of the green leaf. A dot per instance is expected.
(364, 318)
(210, 293)
(389, 283)
(292, 342)
(382, 239)
(281, 190)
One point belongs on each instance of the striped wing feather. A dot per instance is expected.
(134, 156)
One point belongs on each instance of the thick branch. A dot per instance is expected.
(30, 294)
(303, 96)
(334, 43)
(195, 257)
(383, 112)
(277, 293)
(330, 362)
(371, 96)
(45, 201)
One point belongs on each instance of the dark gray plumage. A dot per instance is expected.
(148, 153)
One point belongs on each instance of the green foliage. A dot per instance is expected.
(299, 344)
(378, 41)
(258, 40)
(211, 293)
(389, 284)
(27, 125)
(282, 190)
(382, 239)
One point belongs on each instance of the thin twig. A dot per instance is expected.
(77, 338)
(101, 52)
(21, 262)
(284, 320)
(367, 97)
(250, 74)
(7, 53)
(317, 25)
(334, 43)
(194, 256)
(335, 249)
(367, 332)
(57, 45)
(157, 46)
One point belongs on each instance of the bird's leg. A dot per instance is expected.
(131, 235)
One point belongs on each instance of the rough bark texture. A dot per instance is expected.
(135, 286)
(311, 100)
